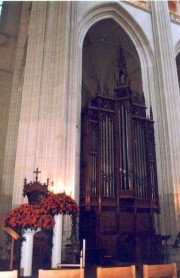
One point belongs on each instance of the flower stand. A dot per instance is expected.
(57, 241)
(47, 215)
(26, 252)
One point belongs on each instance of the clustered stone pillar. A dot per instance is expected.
(167, 98)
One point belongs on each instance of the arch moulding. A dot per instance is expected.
(115, 11)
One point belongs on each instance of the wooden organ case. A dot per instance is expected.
(119, 191)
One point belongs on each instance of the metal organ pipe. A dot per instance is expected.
(123, 134)
(126, 147)
(144, 163)
(104, 156)
(120, 149)
(152, 180)
(106, 153)
(111, 157)
(101, 154)
(93, 168)
(140, 160)
(112, 160)
(107, 156)
(136, 158)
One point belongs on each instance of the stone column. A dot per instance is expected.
(57, 241)
(74, 106)
(168, 100)
(12, 118)
(15, 103)
(27, 252)
(47, 131)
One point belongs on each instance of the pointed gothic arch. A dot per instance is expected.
(115, 11)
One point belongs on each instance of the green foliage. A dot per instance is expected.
(74, 232)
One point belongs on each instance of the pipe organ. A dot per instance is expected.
(119, 191)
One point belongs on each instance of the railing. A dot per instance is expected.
(82, 259)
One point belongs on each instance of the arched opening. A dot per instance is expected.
(118, 194)
(100, 53)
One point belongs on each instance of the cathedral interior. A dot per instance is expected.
(89, 94)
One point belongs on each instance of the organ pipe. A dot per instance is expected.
(107, 156)
(122, 156)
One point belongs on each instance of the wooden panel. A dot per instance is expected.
(108, 233)
(162, 270)
(108, 244)
(145, 218)
(9, 274)
(88, 230)
(149, 248)
(108, 221)
(126, 247)
(63, 273)
(116, 272)
(126, 221)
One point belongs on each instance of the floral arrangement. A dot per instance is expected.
(41, 215)
(29, 216)
(59, 203)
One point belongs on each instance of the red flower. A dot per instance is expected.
(41, 215)
(29, 216)
(59, 203)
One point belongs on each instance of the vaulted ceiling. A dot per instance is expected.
(100, 53)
